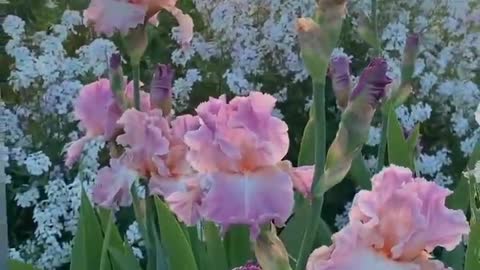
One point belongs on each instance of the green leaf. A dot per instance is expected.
(215, 248)
(306, 156)
(124, 258)
(472, 257)
(176, 244)
(86, 252)
(460, 197)
(400, 151)
(157, 258)
(291, 235)
(17, 265)
(198, 246)
(104, 258)
(237, 244)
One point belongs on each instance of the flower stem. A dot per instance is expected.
(320, 151)
(382, 147)
(3, 216)
(136, 85)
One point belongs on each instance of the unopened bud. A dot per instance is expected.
(401, 93)
(161, 88)
(270, 251)
(355, 124)
(339, 72)
(371, 87)
(319, 37)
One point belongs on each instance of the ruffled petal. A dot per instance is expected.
(112, 187)
(185, 23)
(253, 198)
(350, 252)
(238, 136)
(110, 16)
(145, 137)
(403, 215)
(91, 106)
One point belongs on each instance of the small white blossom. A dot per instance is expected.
(37, 163)
(27, 198)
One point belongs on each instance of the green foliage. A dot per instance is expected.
(87, 248)
(215, 247)
(401, 150)
(16, 265)
(174, 240)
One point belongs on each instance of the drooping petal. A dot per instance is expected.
(110, 16)
(74, 151)
(112, 187)
(91, 106)
(253, 198)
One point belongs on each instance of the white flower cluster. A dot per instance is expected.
(47, 78)
(182, 88)
(252, 37)
(445, 71)
(42, 62)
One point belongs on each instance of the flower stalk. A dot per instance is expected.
(3, 212)
(136, 85)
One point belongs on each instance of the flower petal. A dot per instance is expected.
(112, 187)
(253, 198)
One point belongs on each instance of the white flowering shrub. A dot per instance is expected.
(238, 46)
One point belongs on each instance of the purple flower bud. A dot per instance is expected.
(372, 83)
(339, 72)
(115, 61)
(161, 88)
(249, 266)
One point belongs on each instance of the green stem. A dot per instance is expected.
(383, 140)
(3, 216)
(375, 28)
(136, 85)
(106, 242)
(320, 151)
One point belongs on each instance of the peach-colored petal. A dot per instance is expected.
(405, 215)
(144, 138)
(110, 16)
(350, 252)
(74, 151)
(253, 198)
(112, 187)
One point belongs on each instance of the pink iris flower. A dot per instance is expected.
(98, 112)
(395, 226)
(237, 151)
